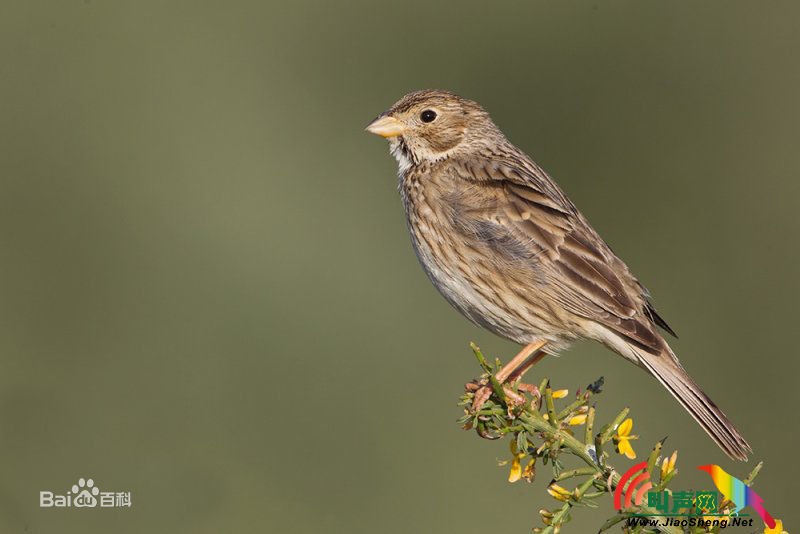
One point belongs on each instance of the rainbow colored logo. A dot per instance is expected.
(635, 484)
(633, 496)
(736, 491)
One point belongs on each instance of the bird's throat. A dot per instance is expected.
(405, 158)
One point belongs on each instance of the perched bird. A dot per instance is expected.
(507, 248)
(736, 491)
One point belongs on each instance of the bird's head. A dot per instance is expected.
(707, 468)
(430, 125)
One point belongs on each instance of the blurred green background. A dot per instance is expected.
(209, 298)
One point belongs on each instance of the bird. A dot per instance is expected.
(736, 491)
(507, 248)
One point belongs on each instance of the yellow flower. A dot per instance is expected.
(777, 530)
(516, 467)
(560, 393)
(547, 516)
(516, 471)
(529, 472)
(668, 465)
(577, 419)
(623, 439)
(559, 493)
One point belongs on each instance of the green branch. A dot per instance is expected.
(541, 432)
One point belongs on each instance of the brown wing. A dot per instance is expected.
(579, 268)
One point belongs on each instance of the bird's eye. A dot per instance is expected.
(428, 115)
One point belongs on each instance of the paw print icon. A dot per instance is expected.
(85, 493)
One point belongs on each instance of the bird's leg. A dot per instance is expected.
(510, 372)
(533, 356)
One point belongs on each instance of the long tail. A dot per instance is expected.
(666, 368)
(755, 502)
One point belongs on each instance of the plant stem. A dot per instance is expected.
(538, 424)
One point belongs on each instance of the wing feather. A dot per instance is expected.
(578, 266)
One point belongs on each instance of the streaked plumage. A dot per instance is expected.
(507, 248)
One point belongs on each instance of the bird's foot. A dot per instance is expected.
(481, 392)
(514, 396)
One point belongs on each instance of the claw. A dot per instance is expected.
(472, 386)
(481, 396)
(486, 434)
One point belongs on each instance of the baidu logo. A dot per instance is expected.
(85, 494)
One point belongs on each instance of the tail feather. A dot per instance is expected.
(759, 508)
(666, 368)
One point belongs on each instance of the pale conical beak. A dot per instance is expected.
(386, 126)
